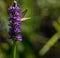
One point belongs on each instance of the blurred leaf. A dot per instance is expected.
(49, 44)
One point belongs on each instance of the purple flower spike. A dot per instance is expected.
(14, 22)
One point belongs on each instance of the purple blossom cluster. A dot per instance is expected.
(14, 23)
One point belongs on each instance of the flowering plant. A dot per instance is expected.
(15, 18)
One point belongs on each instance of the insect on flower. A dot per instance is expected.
(15, 18)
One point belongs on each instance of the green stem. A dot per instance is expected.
(14, 49)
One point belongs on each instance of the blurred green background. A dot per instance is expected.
(41, 33)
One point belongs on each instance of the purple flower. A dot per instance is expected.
(14, 22)
(19, 37)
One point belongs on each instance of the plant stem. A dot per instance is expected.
(14, 49)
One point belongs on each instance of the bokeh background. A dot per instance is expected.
(41, 33)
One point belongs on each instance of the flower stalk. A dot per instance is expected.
(14, 49)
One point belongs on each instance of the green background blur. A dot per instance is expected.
(40, 33)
